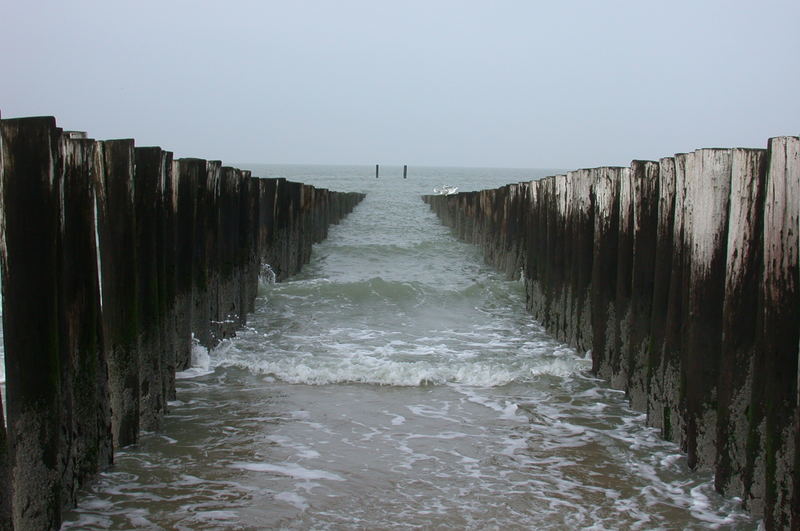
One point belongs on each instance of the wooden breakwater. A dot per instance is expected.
(681, 277)
(114, 257)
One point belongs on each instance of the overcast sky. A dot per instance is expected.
(555, 84)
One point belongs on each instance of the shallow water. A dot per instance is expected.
(397, 382)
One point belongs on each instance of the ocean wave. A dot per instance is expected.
(379, 291)
(377, 370)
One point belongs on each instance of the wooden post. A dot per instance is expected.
(147, 191)
(661, 287)
(707, 199)
(532, 237)
(645, 178)
(740, 312)
(535, 262)
(167, 273)
(377, 170)
(405, 171)
(5, 458)
(199, 263)
(780, 291)
(30, 267)
(267, 222)
(549, 244)
(86, 415)
(118, 254)
(604, 267)
(212, 257)
(621, 315)
(292, 242)
(187, 179)
(559, 248)
(251, 214)
(581, 217)
(230, 235)
(669, 373)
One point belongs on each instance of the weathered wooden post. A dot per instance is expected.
(267, 223)
(669, 372)
(550, 244)
(283, 214)
(740, 319)
(186, 176)
(229, 236)
(114, 191)
(559, 256)
(604, 267)
(292, 243)
(707, 199)
(86, 415)
(5, 461)
(251, 214)
(622, 298)
(212, 257)
(514, 231)
(29, 257)
(645, 177)
(147, 192)
(661, 286)
(581, 243)
(534, 263)
(377, 170)
(167, 271)
(405, 171)
(200, 313)
(780, 292)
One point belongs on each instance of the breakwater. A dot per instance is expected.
(681, 277)
(115, 258)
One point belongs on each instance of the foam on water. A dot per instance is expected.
(399, 368)
(200, 363)
(291, 470)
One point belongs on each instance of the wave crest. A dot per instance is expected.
(363, 369)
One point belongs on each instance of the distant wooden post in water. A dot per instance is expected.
(405, 170)
(377, 170)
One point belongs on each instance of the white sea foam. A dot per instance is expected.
(293, 499)
(289, 469)
(398, 420)
(384, 366)
(201, 364)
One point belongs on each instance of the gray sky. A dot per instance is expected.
(561, 84)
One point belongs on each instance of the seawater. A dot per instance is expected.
(398, 382)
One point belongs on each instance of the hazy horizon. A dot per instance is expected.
(511, 84)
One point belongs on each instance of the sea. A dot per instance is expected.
(397, 382)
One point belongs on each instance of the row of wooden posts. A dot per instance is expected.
(115, 258)
(681, 277)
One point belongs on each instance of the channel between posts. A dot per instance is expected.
(115, 258)
(681, 277)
